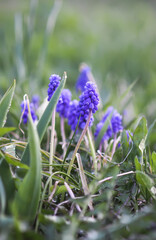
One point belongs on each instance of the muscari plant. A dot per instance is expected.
(41, 190)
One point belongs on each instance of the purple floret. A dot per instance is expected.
(64, 104)
(53, 85)
(25, 114)
(89, 100)
(116, 122)
(72, 117)
(82, 79)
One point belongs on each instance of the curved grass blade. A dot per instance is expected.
(27, 198)
(5, 103)
(45, 119)
(15, 162)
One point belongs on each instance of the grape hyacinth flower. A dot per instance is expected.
(72, 116)
(53, 85)
(36, 101)
(63, 109)
(114, 127)
(24, 107)
(82, 78)
(64, 104)
(116, 122)
(89, 101)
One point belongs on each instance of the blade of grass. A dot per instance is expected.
(5, 104)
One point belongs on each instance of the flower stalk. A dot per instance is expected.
(51, 147)
(92, 148)
(63, 137)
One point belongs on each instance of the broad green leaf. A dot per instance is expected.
(45, 119)
(5, 130)
(137, 164)
(146, 182)
(153, 162)
(7, 180)
(140, 132)
(27, 198)
(5, 104)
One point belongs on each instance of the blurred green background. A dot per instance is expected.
(116, 38)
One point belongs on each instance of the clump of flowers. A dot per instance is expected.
(89, 101)
(64, 104)
(82, 78)
(53, 85)
(72, 116)
(25, 112)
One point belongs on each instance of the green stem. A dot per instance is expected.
(92, 148)
(63, 137)
(51, 147)
(78, 144)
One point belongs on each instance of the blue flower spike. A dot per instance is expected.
(87, 105)
(112, 130)
(53, 85)
(116, 122)
(89, 101)
(72, 117)
(63, 104)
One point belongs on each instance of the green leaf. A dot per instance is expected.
(5, 104)
(27, 198)
(61, 189)
(137, 164)
(153, 162)
(3, 131)
(45, 119)
(146, 182)
(15, 162)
